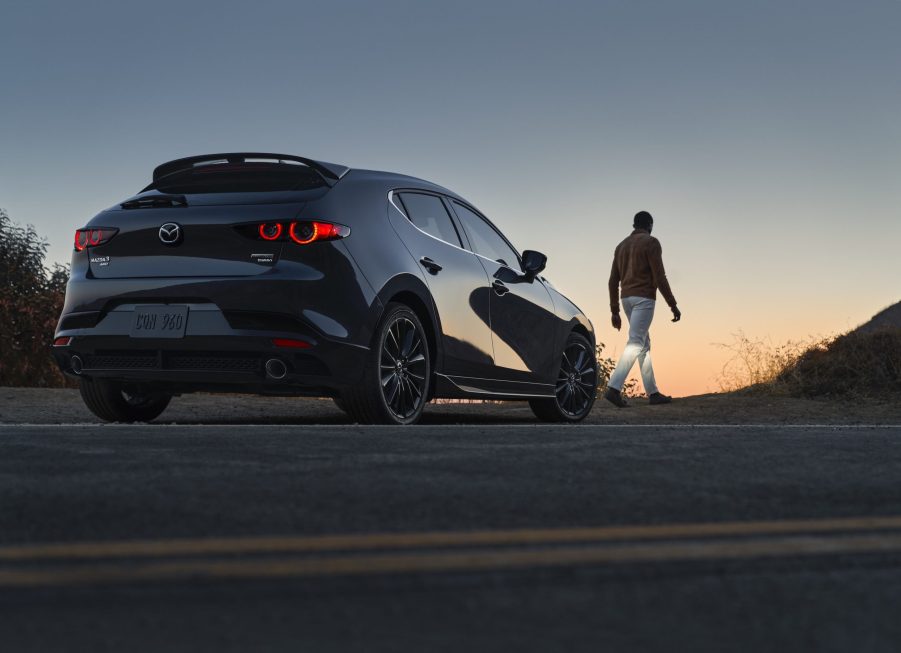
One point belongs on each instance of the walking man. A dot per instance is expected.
(638, 270)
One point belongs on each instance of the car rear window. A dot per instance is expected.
(248, 177)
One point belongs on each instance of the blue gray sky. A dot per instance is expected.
(765, 136)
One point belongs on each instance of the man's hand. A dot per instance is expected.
(616, 321)
(677, 314)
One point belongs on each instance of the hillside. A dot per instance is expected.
(890, 317)
(865, 362)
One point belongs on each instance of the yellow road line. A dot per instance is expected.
(472, 560)
(435, 539)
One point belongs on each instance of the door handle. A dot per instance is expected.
(500, 288)
(430, 265)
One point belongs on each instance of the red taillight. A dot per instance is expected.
(304, 233)
(62, 342)
(271, 230)
(291, 343)
(93, 237)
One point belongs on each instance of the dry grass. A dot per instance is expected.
(758, 363)
(856, 364)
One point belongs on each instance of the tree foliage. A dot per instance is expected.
(31, 299)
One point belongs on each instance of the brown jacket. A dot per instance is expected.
(638, 267)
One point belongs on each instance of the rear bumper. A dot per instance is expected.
(212, 356)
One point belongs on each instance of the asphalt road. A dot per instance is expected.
(442, 537)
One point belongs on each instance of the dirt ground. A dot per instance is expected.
(53, 406)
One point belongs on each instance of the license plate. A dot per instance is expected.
(159, 322)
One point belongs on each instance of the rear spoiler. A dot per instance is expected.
(330, 172)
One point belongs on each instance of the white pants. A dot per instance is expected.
(639, 312)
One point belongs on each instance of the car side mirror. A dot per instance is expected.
(533, 262)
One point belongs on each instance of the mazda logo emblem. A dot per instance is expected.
(170, 233)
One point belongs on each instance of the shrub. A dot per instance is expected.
(31, 299)
(861, 363)
(606, 365)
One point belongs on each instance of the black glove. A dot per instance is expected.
(677, 314)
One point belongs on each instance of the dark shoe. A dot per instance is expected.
(657, 399)
(616, 398)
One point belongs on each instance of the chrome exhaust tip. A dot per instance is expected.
(76, 364)
(276, 369)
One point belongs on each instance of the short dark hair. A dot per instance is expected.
(643, 220)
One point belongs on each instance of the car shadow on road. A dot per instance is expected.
(435, 418)
(287, 411)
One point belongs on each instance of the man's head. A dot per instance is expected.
(643, 220)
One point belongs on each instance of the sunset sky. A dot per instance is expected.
(764, 136)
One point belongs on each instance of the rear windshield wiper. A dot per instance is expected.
(156, 202)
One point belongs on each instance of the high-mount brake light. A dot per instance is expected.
(271, 230)
(92, 237)
(304, 233)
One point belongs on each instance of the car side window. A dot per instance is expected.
(485, 240)
(428, 213)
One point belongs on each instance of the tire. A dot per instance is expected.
(575, 386)
(395, 384)
(339, 402)
(112, 401)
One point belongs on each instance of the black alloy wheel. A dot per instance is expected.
(575, 387)
(395, 387)
(403, 367)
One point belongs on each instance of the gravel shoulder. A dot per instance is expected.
(64, 406)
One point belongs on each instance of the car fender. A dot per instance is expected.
(413, 287)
